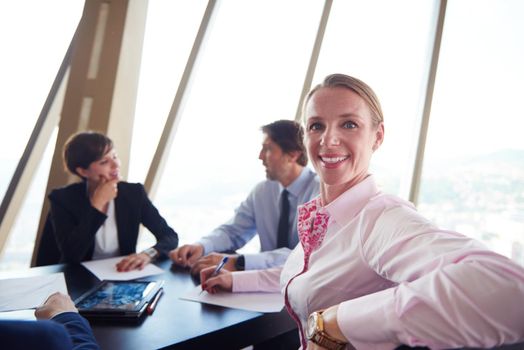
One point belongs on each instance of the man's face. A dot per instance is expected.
(274, 159)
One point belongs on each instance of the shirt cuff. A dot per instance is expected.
(254, 261)
(370, 319)
(208, 246)
(245, 281)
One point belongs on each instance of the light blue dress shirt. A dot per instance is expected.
(259, 213)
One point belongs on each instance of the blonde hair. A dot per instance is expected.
(355, 85)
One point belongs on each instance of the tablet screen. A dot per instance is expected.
(117, 295)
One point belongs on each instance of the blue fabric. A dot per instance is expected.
(75, 221)
(66, 331)
(259, 213)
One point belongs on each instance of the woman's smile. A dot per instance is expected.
(332, 161)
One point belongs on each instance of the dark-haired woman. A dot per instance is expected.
(100, 216)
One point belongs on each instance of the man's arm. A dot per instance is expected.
(227, 237)
(264, 260)
(61, 309)
(235, 233)
(29, 335)
(78, 329)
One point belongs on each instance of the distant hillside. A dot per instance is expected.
(494, 177)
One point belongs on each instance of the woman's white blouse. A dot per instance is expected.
(106, 238)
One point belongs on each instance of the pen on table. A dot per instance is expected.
(218, 268)
(152, 305)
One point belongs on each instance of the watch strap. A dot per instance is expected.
(151, 252)
(320, 337)
(326, 341)
(240, 263)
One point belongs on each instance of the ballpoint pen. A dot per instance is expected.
(218, 268)
(152, 305)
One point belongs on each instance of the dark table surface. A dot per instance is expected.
(176, 323)
(180, 324)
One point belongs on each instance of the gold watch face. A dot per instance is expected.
(311, 325)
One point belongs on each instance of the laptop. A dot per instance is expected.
(114, 300)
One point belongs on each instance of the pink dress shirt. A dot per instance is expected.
(398, 278)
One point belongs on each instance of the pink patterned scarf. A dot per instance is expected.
(312, 224)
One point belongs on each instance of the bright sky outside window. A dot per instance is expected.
(473, 177)
(251, 73)
(386, 44)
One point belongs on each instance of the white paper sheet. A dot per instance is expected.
(259, 302)
(29, 292)
(105, 269)
(26, 315)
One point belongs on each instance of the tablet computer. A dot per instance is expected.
(118, 299)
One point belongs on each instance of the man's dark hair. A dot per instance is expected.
(289, 136)
(84, 148)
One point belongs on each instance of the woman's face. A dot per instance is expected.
(107, 167)
(340, 137)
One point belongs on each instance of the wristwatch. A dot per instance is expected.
(151, 252)
(316, 334)
(240, 264)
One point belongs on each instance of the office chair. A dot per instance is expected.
(48, 253)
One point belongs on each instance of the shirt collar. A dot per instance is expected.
(350, 203)
(298, 186)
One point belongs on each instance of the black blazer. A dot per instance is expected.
(75, 222)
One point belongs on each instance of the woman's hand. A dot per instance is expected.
(54, 305)
(104, 192)
(133, 262)
(212, 284)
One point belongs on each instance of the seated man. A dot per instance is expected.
(66, 329)
(269, 210)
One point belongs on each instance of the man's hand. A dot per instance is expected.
(212, 284)
(133, 262)
(54, 305)
(186, 255)
(213, 259)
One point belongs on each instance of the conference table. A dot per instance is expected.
(175, 323)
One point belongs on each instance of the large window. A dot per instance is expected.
(473, 178)
(19, 247)
(250, 73)
(386, 44)
(35, 36)
(171, 28)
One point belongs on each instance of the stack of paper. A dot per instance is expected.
(29, 292)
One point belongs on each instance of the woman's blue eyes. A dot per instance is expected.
(349, 125)
(315, 126)
(345, 125)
